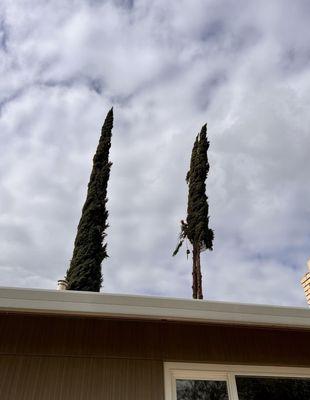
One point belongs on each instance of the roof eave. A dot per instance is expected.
(148, 307)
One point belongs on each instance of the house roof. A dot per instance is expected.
(148, 307)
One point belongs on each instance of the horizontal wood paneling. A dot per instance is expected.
(76, 378)
(236, 345)
(153, 340)
(53, 335)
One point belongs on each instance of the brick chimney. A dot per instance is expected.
(305, 282)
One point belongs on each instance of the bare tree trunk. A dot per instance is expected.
(198, 275)
(194, 273)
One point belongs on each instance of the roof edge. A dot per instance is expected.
(149, 307)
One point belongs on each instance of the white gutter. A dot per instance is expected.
(147, 307)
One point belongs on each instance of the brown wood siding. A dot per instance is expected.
(53, 357)
(152, 340)
(79, 378)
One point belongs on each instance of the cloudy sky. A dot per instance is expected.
(166, 67)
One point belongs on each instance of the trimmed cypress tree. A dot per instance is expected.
(84, 273)
(196, 228)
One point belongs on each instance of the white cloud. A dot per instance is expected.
(167, 68)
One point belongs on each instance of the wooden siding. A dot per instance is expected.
(53, 357)
(79, 378)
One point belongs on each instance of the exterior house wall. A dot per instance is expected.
(66, 357)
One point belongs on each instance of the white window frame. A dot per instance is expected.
(219, 372)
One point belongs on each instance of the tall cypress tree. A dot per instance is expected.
(84, 273)
(196, 228)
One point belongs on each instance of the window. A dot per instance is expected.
(232, 382)
(201, 389)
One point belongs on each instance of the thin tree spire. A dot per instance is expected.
(89, 251)
(196, 228)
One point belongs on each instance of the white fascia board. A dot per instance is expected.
(148, 307)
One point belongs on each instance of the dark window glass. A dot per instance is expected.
(201, 390)
(262, 388)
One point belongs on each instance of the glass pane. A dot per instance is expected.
(262, 388)
(201, 390)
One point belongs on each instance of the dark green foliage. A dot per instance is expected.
(89, 251)
(182, 237)
(196, 228)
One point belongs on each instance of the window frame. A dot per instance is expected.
(223, 372)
